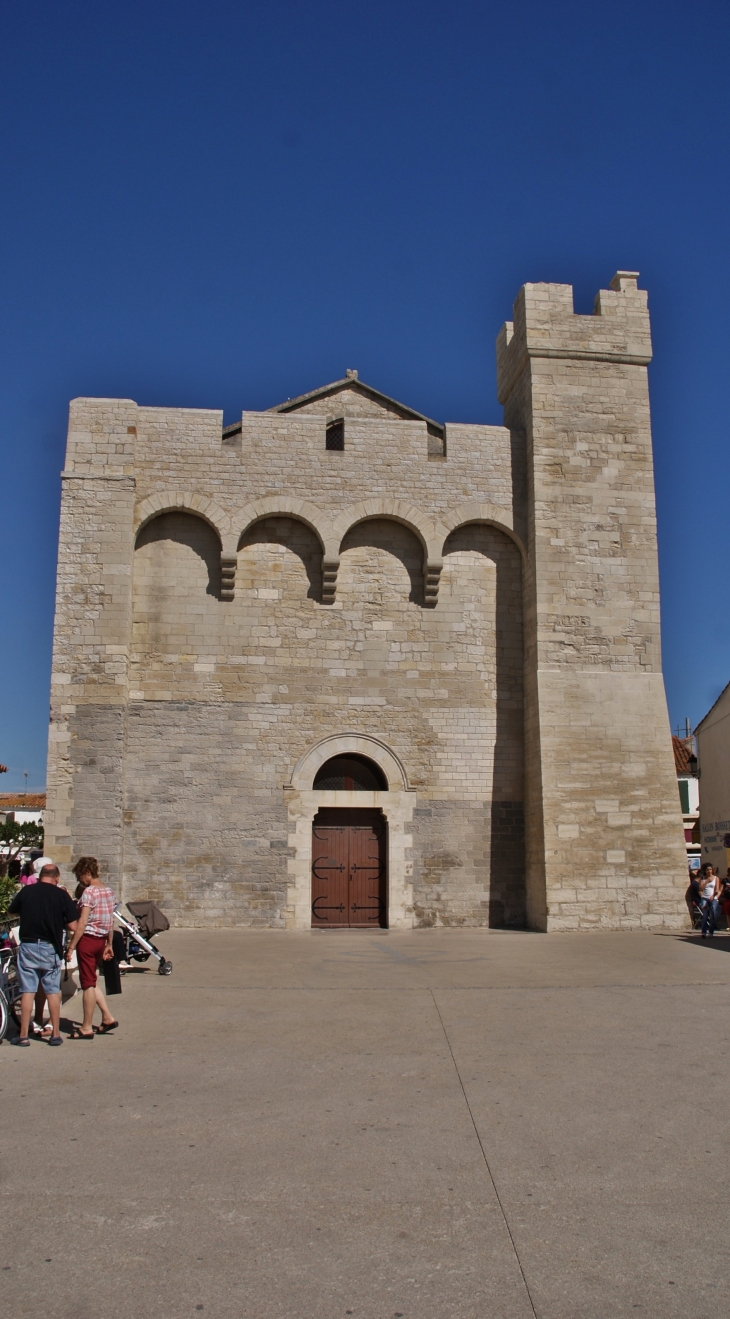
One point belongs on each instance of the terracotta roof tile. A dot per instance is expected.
(22, 801)
(682, 751)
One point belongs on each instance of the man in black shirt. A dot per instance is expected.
(44, 910)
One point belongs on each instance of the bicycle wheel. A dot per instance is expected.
(4, 1015)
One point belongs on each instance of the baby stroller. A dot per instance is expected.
(137, 933)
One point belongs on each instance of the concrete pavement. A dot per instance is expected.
(435, 1125)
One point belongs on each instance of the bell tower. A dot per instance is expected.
(604, 839)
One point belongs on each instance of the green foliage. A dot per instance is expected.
(14, 837)
(7, 892)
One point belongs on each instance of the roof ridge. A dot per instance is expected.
(714, 703)
(349, 381)
(7, 799)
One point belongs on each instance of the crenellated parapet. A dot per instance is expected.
(546, 326)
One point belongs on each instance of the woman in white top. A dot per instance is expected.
(709, 886)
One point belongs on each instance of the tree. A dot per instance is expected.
(14, 837)
(8, 889)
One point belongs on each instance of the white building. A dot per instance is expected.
(22, 807)
(713, 755)
(685, 762)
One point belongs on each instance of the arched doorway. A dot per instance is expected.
(349, 850)
(350, 773)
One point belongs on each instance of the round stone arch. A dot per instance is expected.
(396, 804)
(176, 501)
(428, 533)
(490, 514)
(361, 744)
(282, 506)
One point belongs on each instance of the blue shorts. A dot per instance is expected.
(39, 961)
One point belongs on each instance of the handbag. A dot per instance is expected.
(112, 976)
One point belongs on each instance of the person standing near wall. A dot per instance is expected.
(725, 897)
(709, 887)
(92, 941)
(85, 870)
(44, 910)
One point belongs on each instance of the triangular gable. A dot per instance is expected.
(352, 384)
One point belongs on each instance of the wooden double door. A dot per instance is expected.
(349, 849)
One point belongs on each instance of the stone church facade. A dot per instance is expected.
(338, 664)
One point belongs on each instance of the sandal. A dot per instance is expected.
(105, 1027)
(77, 1034)
(22, 1041)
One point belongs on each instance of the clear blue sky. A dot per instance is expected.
(224, 204)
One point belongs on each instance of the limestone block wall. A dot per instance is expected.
(236, 692)
(89, 684)
(238, 658)
(604, 845)
(474, 607)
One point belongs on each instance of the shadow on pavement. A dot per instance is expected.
(720, 942)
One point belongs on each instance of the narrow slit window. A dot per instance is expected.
(335, 435)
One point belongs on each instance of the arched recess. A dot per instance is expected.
(431, 536)
(284, 506)
(381, 566)
(300, 544)
(303, 511)
(490, 514)
(359, 744)
(483, 590)
(169, 501)
(176, 593)
(192, 534)
(166, 501)
(427, 531)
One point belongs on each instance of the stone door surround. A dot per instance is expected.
(303, 803)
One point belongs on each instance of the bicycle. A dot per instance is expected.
(9, 989)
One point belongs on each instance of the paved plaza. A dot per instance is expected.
(431, 1124)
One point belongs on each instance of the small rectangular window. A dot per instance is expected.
(335, 435)
(684, 795)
